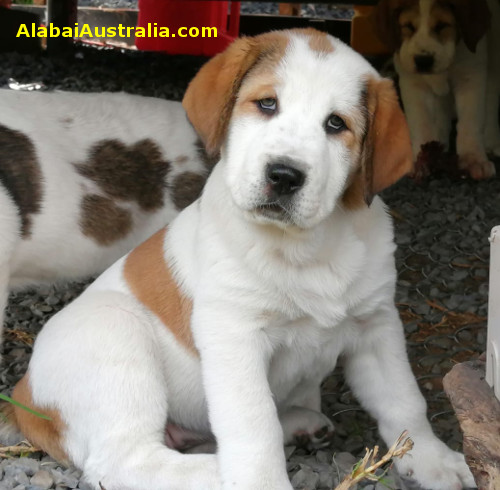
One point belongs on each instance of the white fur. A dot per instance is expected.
(463, 84)
(63, 126)
(274, 307)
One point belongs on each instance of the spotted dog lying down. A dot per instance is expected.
(86, 177)
(225, 323)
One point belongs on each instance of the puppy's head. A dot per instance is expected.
(303, 124)
(425, 33)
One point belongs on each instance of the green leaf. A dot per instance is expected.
(20, 405)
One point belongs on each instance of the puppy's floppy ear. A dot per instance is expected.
(210, 97)
(474, 18)
(387, 154)
(385, 22)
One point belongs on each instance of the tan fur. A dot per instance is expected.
(222, 78)
(386, 155)
(319, 42)
(151, 281)
(44, 434)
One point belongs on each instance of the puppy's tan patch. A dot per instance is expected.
(42, 433)
(319, 42)
(222, 78)
(102, 220)
(131, 173)
(187, 187)
(443, 23)
(151, 281)
(20, 174)
(386, 154)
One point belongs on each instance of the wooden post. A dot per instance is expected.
(289, 9)
(478, 412)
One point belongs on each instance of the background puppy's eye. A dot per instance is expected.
(408, 27)
(335, 124)
(267, 105)
(440, 26)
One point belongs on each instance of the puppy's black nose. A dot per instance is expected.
(284, 178)
(424, 63)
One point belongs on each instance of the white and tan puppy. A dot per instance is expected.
(225, 323)
(447, 58)
(84, 178)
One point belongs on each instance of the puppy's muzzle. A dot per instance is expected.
(424, 63)
(283, 178)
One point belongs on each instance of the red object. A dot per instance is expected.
(175, 14)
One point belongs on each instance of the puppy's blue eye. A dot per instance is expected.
(335, 124)
(267, 105)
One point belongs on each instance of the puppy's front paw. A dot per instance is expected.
(477, 168)
(431, 465)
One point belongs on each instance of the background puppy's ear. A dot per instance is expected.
(474, 18)
(385, 22)
(210, 97)
(387, 154)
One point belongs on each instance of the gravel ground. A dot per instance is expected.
(442, 229)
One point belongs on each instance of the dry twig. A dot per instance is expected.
(366, 468)
(24, 447)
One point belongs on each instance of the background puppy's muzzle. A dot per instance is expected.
(424, 63)
(284, 178)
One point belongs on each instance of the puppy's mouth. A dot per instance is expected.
(275, 211)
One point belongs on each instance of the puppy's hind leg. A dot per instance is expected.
(101, 363)
(302, 421)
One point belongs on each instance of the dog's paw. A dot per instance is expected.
(431, 465)
(478, 169)
(306, 428)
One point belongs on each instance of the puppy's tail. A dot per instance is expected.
(10, 435)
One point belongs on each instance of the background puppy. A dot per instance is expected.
(227, 322)
(447, 59)
(86, 177)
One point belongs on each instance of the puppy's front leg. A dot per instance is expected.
(234, 355)
(425, 113)
(470, 100)
(379, 373)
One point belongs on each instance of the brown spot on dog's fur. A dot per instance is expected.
(319, 41)
(187, 187)
(42, 433)
(208, 160)
(151, 281)
(130, 173)
(182, 159)
(104, 221)
(20, 175)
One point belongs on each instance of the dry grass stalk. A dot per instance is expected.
(24, 447)
(366, 468)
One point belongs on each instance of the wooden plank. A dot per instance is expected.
(478, 412)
